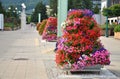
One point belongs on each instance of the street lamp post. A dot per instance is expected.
(107, 22)
(39, 17)
(23, 16)
(62, 14)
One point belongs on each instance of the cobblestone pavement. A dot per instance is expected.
(56, 73)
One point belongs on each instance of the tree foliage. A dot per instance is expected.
(12, 11)
(72, 4)
(96, 9)
(87, 4)
(1, 8)
(53, 6)
(112, 11)
(40, 8)
(80, 4)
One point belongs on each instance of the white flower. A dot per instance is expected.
(63, 25)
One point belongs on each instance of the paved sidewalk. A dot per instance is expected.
(113, 45)
(23, 55)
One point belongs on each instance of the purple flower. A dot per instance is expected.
(101, 57)
(88, 13)
(85, 12)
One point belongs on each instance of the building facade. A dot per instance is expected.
(105, 4)
(112, 2)
(97, 2)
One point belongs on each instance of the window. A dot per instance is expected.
(111, 21)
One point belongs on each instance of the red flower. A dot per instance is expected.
(60, 57)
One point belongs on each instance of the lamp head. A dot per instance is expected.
(23, 5)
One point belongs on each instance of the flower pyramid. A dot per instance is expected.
(50, 31)
(79, 46)
(41, 26)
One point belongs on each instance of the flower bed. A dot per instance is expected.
(79, 46)
(50, 31)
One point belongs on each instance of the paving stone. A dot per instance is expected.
(24, 56)
(55, 73)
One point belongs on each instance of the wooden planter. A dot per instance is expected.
(117, 35)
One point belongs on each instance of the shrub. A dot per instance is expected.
(42, 26)
(103, 27)
(12, 22)
(117, 28)
(8, 24)
(38, 26)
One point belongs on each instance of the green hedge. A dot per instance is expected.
(8, 24)
(109, 26)
(117, 28)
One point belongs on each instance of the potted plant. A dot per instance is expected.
(79, 47)
(117, 32)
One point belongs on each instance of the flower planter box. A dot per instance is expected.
(90, 69)
(117, 35)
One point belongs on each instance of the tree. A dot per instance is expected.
(76, 4)
(80, 4)
(72, 4)
(107, 12)
(12, 11)
(96, 10)
(40, 8)
(87, 4)
(28, 19)
(115, 9)
(53, 6)
(112, 11)
(1, 8)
